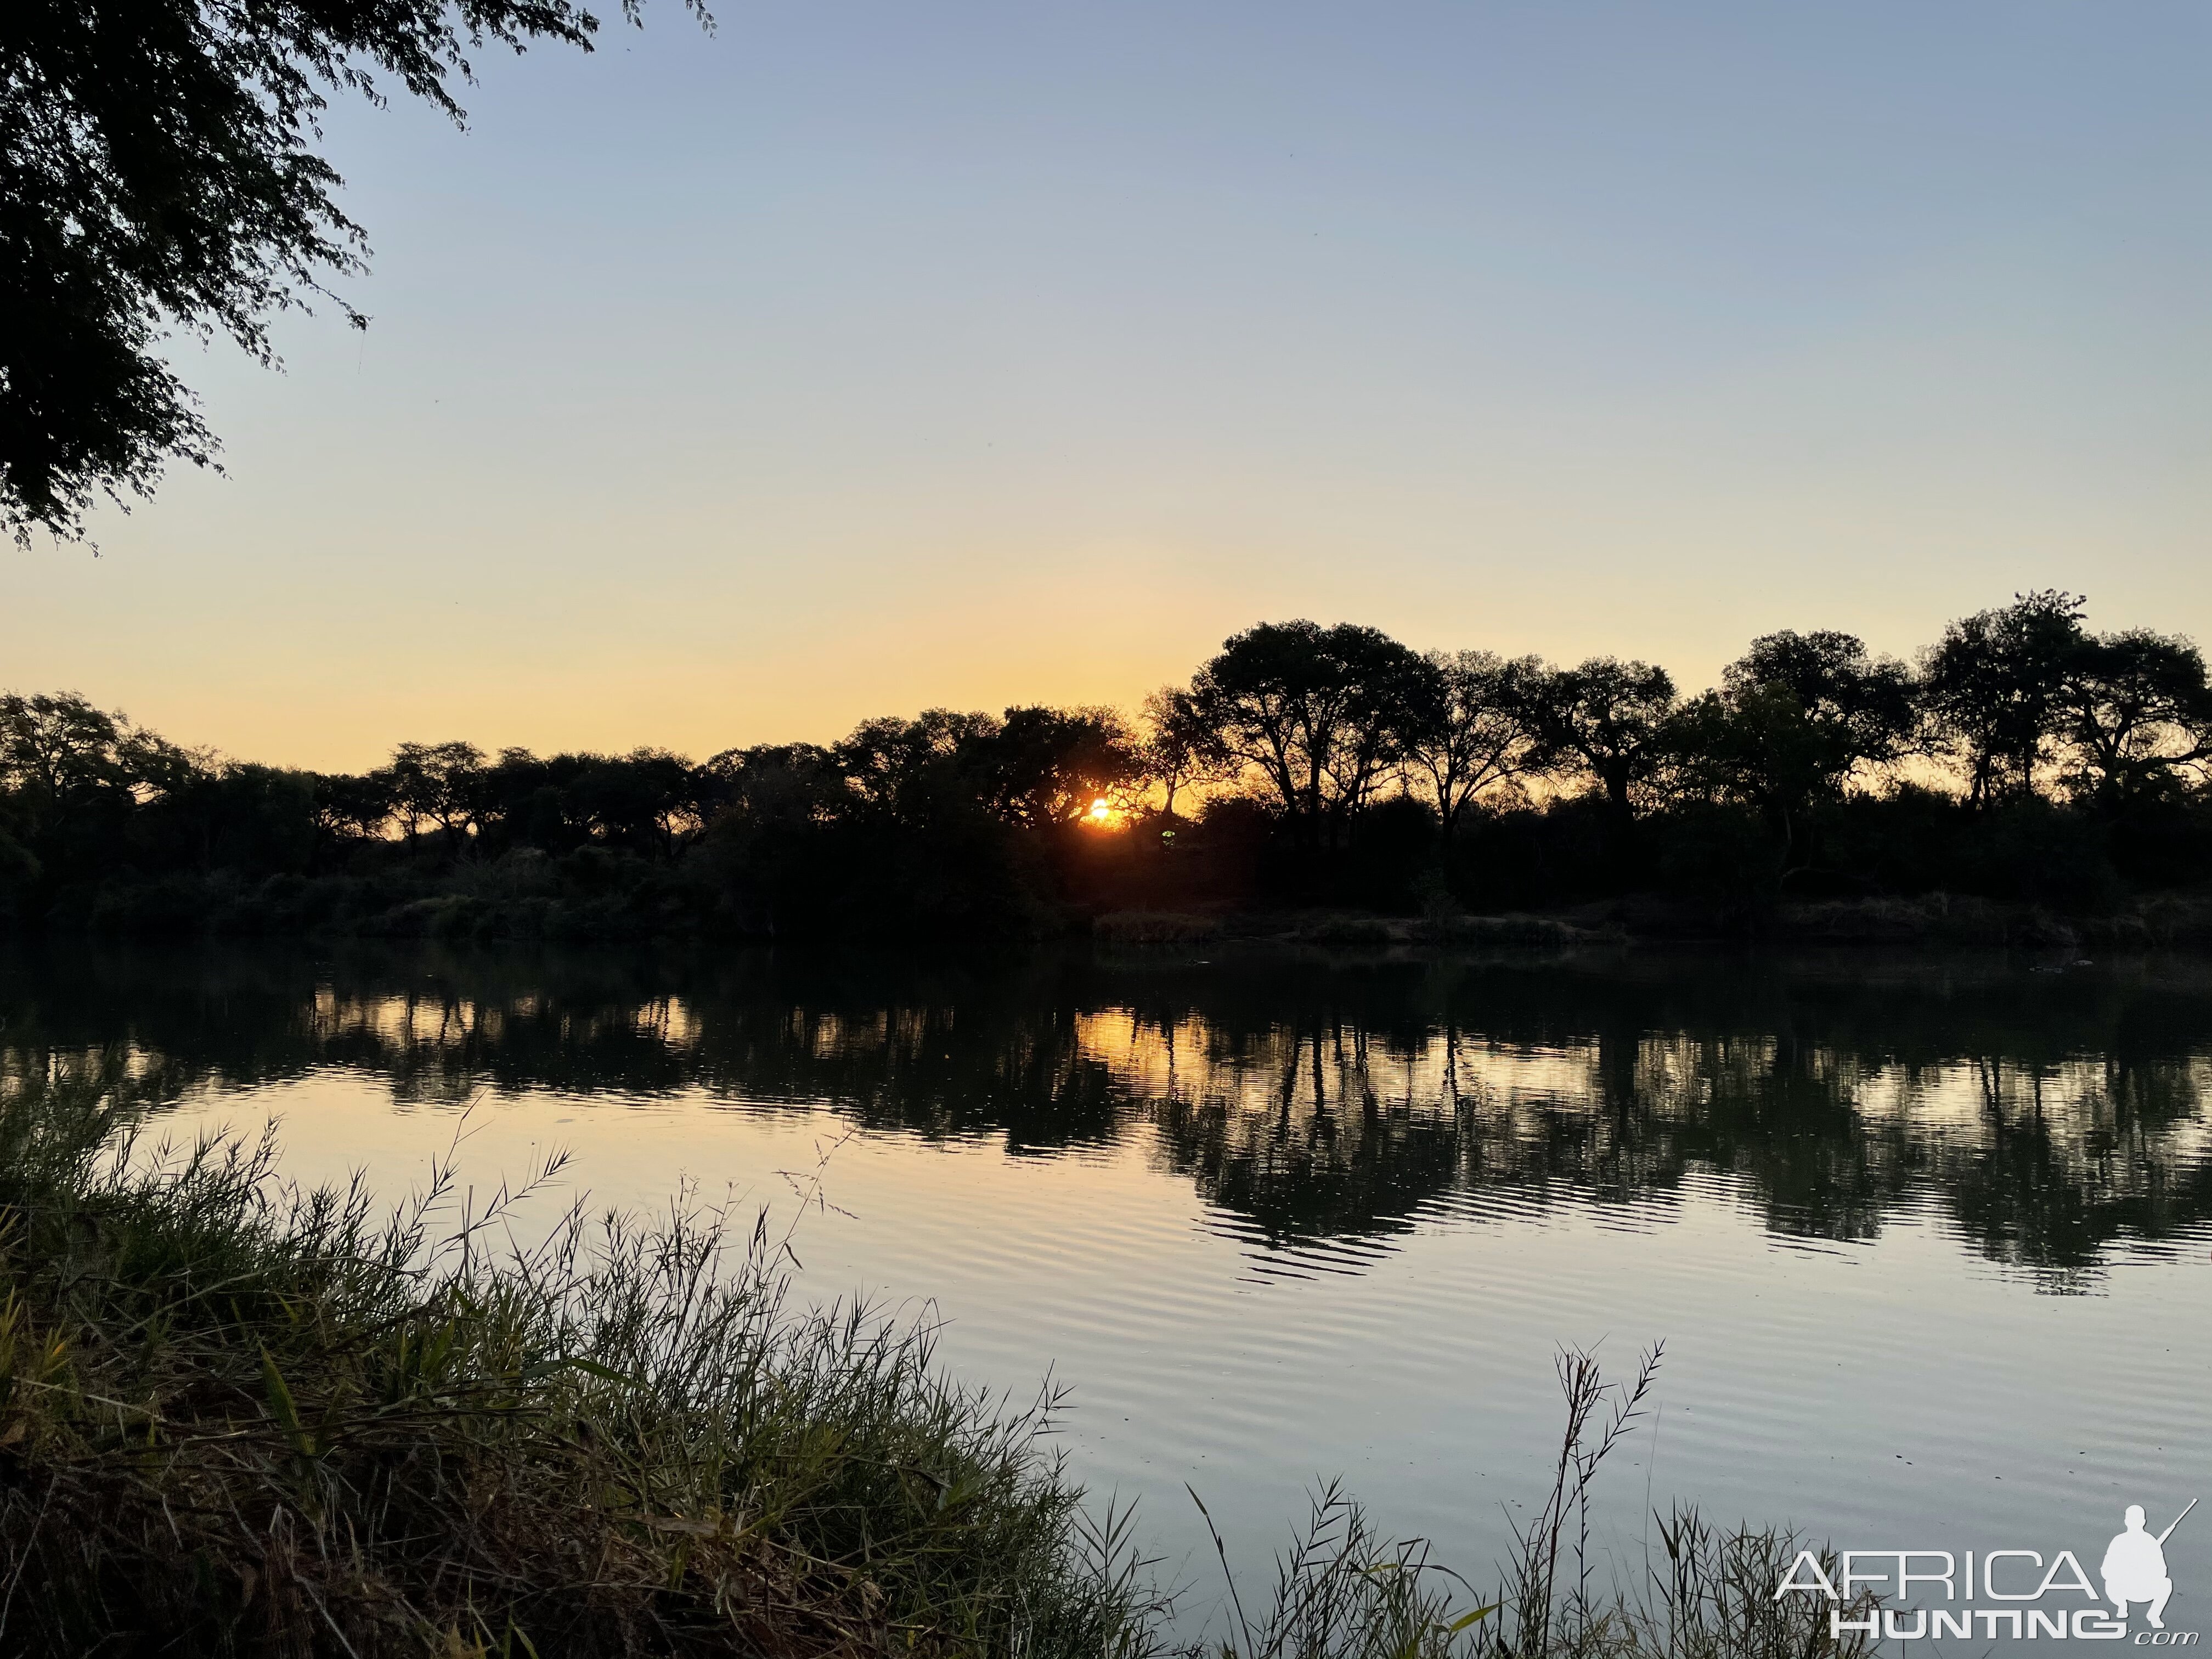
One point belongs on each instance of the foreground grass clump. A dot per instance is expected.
(235, 1418)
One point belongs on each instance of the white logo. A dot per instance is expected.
(1908, 1594)
(2135, 1567)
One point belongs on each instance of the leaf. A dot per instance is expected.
(280, 1406)
(577, 1363)
(1467, 1619)
(679, 1524)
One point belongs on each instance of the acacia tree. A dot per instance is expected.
(351, 807)
(1609, 720)
(1794, 717)
(440, 781)
(1990, 690)
(56, 748)
(641, 800)
(911, 769)
(1476, 727)
(51, 746)
(784, 783)
(1320, 713)
(1049, 766)
(1181, 750)
(158, 175)
(1861, 704)
(2134, 709)
(76, 786)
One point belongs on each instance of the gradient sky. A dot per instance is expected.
(861, 357)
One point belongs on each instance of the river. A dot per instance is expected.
(1928, 1240)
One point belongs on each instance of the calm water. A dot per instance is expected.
(1929, 1244)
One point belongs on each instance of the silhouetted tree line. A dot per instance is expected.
(2023, 756)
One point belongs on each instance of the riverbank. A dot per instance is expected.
(595, 898)
(1936, 919)
(237, 1419)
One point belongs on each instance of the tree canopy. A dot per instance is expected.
(1611, 719)
(160, 175)
(1989, 690)
(1321, 713)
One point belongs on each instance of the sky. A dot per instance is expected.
(856, 358)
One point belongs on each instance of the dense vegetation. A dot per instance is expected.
(2024, 758)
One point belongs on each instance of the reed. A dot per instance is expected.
(1343, 1591)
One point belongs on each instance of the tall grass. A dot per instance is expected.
(238, 1418)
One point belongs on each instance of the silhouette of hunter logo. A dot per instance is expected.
(2135, 1567)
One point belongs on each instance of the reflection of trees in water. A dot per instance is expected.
(2068, 1160)
(2041, 1168)
(2045, 1116)
(1363, 1146)
(1316, 1150)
